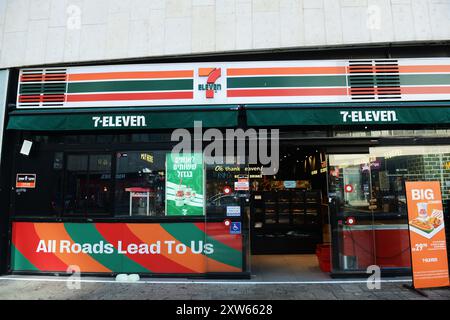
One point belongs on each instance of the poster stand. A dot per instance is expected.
(423, 191)
(411, 286)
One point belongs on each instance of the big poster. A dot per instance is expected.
(185, 194)
(427, 234)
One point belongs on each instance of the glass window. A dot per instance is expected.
(394, 133)
(219, 178)
(99, 187)
(349, 191)
(140, 183)
(371, 189)
(392, 166)
(45, 198)
(75, 193)
(125, 182)
(88, 184)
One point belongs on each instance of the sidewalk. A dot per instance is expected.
(23, 287)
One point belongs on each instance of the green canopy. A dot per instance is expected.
(122, 118)
(223, 116)
(346, 116)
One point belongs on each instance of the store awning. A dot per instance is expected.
(122, 118)
(288, 115)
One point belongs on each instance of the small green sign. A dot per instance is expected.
(185, 195)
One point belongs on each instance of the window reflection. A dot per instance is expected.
(87, 184)
(370, 189)
(220, 179)
(140, 183)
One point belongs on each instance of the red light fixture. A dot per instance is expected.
(350, 221)
(227, 190)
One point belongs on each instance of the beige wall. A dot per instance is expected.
(57, 31)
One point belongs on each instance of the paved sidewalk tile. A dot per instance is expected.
(26, 289)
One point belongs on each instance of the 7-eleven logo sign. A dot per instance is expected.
(210, 86)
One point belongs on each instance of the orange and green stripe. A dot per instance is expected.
(18, 259)
(329, 81)
(286, 71)
(287, 81)
(88, 233)
(222, 253)
(131, 86)
(227, 256)
(156, 263)
(125, 86)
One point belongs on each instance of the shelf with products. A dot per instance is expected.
(289, 207)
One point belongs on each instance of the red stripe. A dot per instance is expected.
(376, 90)
(42, 98)
(154, 262)
(287, 92)
(130, 96)
(219, 232)
(26, 240)
(43, 77)
(285, 70)
(426, 90)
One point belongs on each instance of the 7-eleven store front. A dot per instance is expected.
(101, 191)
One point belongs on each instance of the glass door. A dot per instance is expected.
(226, 192)
(351, 212)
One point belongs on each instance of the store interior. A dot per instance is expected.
(289, 215)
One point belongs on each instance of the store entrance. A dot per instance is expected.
(289, 209)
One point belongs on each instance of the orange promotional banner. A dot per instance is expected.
(427, 234)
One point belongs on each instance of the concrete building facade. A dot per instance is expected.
(34, 32)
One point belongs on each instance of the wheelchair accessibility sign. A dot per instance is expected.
(235, 228)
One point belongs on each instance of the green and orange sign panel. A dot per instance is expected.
(427, 234)
(185, 194)
(245, 82)
(164, 248)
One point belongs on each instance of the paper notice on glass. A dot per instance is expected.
(26, 147)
